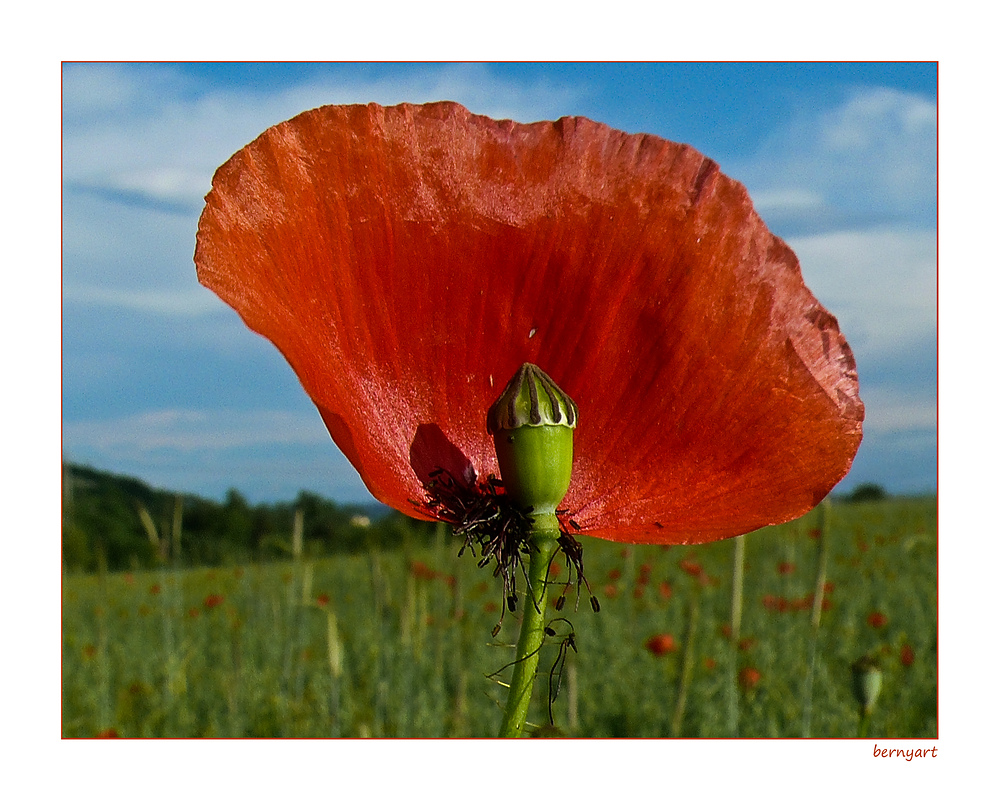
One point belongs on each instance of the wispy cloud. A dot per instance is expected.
(890, 410)
(181, 303)
(155, 133)
(870, 160)
(881, 284)
(195, 430)
(269, 455)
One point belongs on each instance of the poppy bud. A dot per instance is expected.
(532, 425)
(867, 682)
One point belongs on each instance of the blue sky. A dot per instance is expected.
(161, 380)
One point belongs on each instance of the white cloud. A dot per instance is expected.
(270, 455)
(140, 147)
(183, 303)
(873, 157)
(103, 90)
(188, 430)
(787, 200)
(892, 411)
(152, 132)
(879, 120)
(881, 285)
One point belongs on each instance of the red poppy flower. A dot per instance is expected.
(906, 655)
(408, 260)
(690, 566)
(775, 603)
(213, 600)
(877, 620)
(749, 678)
(661, 644)
(422, 571)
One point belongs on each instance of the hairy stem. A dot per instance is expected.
(544, 536)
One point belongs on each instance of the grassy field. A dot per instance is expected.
(397, 644)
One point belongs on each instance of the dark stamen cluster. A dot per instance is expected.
(492, 524)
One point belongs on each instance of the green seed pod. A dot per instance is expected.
(532, 425)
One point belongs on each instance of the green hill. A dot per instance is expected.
(122, 522)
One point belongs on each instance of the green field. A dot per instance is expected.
(398, 643)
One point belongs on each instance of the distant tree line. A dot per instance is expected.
(122, 523)
(867, 493)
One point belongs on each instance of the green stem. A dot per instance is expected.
(863, 724)
(687, 669)
(544, 536)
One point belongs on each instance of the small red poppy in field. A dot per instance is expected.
(213, 600)
(906, 655)
(666, 590)
(661, 644)
(774, 603)
(749, 678)
(322, 600)
(690, 566)
(786, 568)
(422, 571)
(877, 620)
(408, 260)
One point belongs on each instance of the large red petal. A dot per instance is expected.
(407, 260)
